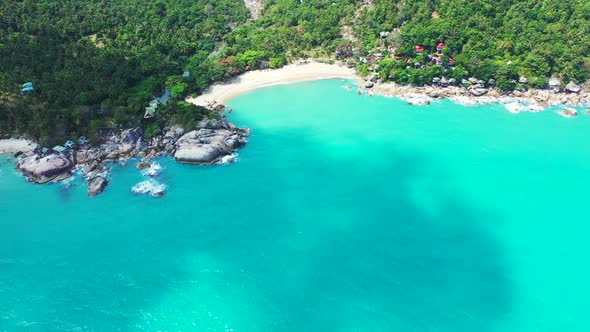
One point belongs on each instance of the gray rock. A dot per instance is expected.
(83, 156)
(205, 146)
(130, 136)
(54, 167)
(573, 87)
(126, 148)
(143, 164)
(369, 84)
(92, 166)
(197, 153)
(96, 185)
(478, 92)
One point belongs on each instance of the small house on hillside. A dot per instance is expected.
(59, 148)
(452, 62)
(150, 112)
(69, 145)
(186, 74)
(444, 82)
(419, 49)
(27, 87)
(437, 60)
(82, 140)
(440, 47)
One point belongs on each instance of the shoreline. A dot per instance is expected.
(211, 141)
(16, 145)
(220, 93)
(533, 100)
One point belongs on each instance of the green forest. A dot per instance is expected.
(96, 65)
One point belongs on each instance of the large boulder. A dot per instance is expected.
(54, 167)
(197, 153)
(130, 136)
(478, 92)
(206, 146)
(573, 88)
(96, 185)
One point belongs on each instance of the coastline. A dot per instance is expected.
(533, 100)
(16, 145)
(220, 93)
(215, 141)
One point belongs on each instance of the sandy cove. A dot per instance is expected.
(535, 100)
(220, 93)
(14, 145)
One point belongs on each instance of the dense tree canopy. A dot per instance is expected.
(96, 64)
(538, 37)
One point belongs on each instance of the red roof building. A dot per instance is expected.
(452, 61)
(398, 57)
(440, 46)
(437, 60)
(419, 48)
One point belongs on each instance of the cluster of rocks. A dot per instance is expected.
(212, 140)
(572, 94)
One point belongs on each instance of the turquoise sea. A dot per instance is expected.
(344, 213)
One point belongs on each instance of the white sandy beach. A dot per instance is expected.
(13, 145)
(222, 92)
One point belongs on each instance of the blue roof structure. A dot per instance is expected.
(165, 97)
(28, 84)
(186, 74)
(59, 148)
(69, 144)
(28, 89)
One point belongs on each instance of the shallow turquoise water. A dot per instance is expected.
(344, 213)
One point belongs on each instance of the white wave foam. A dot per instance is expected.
(153, 171)
(230, 158)
(149, 187)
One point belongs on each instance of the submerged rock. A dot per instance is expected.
(96, 185)
(143, 164)
(568, 113)
(54, 167)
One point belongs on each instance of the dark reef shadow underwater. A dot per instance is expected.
(304, 251)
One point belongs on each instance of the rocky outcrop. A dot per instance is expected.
(96, 185)
(130, 139)
(478, 91)
(53, 167)
(573, 88)
(568, 113)
(208, 144)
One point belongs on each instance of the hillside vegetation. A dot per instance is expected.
(95, 65)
